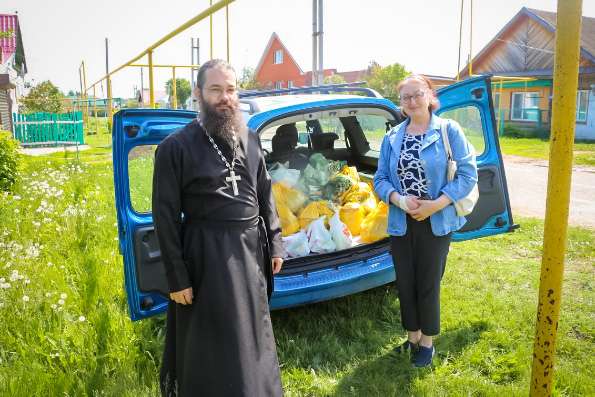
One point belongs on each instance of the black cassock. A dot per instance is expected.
(222, 344)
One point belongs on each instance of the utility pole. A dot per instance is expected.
(320, 47)
(314, 43)
(194, 57)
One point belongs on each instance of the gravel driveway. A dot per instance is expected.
(527, 186)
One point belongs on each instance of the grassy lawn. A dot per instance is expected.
(65, 329)
(584, 153)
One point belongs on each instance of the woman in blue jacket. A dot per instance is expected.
(412, 179)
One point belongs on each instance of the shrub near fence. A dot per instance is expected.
(45, 129)
(9, 161)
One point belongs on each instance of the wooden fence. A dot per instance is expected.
(49, 129)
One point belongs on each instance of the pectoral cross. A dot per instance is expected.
(233, 178)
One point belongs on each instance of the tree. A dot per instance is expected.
(183, 90)
(385, 79)
(248, 80)
(334, 79)
(44, 97)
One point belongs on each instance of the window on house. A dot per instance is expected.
(525, 106)
(582, 103)
(278, 57)
(290, 84)
(278, 85)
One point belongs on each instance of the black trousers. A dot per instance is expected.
(419, 258)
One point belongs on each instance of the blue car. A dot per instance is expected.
(341, 126)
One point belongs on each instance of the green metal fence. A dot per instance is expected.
(49, 129)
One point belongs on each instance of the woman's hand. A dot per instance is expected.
(428, 207)
(406, 203)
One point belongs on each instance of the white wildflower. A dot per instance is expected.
(82, 318)
(25, 298)
(48, 294)
(16, 197)
(61, 302)
(4, 285)
(54, 306)
(63, 296)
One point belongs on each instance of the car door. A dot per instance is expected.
(470, 103)
(135, 136)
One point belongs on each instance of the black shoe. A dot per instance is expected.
(406, 347)
(423, 356)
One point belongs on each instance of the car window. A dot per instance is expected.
(141, 161)
(469, 118)
(374, 128)
(327, 125)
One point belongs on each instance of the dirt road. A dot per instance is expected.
(527, 186)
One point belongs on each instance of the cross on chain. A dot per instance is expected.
(233, 178)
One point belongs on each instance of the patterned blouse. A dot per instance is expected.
(410, 170)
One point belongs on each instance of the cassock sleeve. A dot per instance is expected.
(266, 203)
(167, 188)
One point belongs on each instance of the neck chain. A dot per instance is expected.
(233, 178)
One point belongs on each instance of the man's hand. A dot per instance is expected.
(277, 263)
(183, 297)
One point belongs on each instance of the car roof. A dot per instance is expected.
(268, 103)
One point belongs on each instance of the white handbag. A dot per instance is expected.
(465, 205)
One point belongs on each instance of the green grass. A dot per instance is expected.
(584, 153)
(58, 236)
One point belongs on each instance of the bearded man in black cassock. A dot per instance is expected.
(215, 219)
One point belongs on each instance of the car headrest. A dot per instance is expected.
(323, 141)
(285, 138)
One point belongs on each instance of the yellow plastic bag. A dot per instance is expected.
(351, 172)
(352, 215)
(375, 224)
(313, 211)
(289, 222)
(369, 204)
(288, 196)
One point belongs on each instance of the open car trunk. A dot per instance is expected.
(328, 158)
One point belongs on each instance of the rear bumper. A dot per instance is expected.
(301, 289)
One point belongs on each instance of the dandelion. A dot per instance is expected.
(61, 302)
(27, 281)
(54, 306)
(16, 197)
(63, 296)
(16, 211)
(82, 319)
(25, 298)
(5, 285)
(48, 294)
(50, 264)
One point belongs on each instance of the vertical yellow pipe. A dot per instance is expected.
(174, 88)
(211, 30)
(227, 28)
(110, 112)
(471, 42)
(500, 112)
(151, 92)
(95, 110)
(566, 61)
(460, 42)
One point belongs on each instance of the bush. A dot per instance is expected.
(9, 161)
(517, 132)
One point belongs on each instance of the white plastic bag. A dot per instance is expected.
(280, 173)
(296, 245)
(340, 233)
(319, 238)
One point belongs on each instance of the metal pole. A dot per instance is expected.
(142, 88)
(192, 62)
(320, 48)
(174, 91)
(85, 104)
(109, 103)
(227, 28)
(106, 57)
(151, 91)
(471, 42)
(460, 42)
(211, 32)
(566, 63)
(314, 43)
(95, 110)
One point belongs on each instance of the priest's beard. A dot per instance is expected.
(222, 123)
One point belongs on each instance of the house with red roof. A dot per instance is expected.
(13, 68)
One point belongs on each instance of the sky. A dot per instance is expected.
(423, 35)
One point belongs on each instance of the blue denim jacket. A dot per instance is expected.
(434, 160)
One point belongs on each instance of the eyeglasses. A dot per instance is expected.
(408, 98)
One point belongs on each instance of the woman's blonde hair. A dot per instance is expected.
(434, 103)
